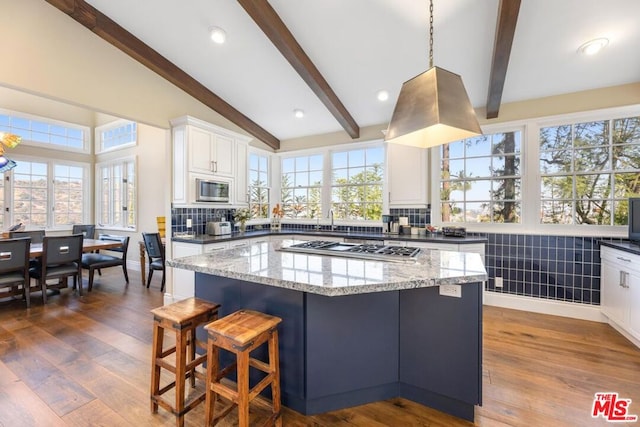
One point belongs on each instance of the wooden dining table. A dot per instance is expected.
(88, 245)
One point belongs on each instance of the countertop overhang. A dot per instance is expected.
(335, 276)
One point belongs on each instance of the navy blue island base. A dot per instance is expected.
(342, 351)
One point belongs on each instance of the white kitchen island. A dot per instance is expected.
(357, 331)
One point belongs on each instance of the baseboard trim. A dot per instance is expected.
(537, 305)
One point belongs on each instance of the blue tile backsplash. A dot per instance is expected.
(560, 268)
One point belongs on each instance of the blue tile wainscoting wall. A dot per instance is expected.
(560, 268)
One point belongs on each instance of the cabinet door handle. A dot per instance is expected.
(624, 259)
(624, 276)
(213, 169)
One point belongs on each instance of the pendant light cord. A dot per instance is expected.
(430, 33)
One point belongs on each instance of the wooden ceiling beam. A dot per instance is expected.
(505, 30)
(270, 23)
(113, 33)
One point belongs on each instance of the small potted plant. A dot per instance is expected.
(242, 216)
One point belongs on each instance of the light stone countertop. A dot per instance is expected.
(333, 275)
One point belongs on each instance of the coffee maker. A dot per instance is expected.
(389, 224)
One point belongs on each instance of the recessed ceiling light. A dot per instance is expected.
(218, 35)
(382, 95)
(298, 113)
(593, 46)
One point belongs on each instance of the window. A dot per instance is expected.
(119, 134)
(301, 186)
(47, 132)
(481, 180)
(30, 194)
(116, 194)
(357, 179)
(68, 193)
(258, 185)
(37, 204)
(588, 170)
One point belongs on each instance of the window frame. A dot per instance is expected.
(123, 162)
(326, 187)
(366, 166)
(86, 132)
(99, 130)
(268, 187)
(486, 177)
(531, 177)
(51, 163)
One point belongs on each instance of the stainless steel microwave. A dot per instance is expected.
(212, 191)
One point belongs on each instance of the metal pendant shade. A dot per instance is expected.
(433, 108)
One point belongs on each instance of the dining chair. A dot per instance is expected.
(98, 260)
(87, 230)
(61, 258)
(37, 236)
(155, 253)
(14, 268)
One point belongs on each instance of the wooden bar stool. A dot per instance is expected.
(182, 317)
(240, 333)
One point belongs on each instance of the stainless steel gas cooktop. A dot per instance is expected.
(378, 252)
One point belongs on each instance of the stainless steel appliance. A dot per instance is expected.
(454, 231)
(212, 191)
(376, 251)
(390, 224)
(218, 228)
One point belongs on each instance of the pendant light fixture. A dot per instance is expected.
(8, 140)
(433, 108)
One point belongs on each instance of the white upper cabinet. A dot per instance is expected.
(407, 169)
(205, 151)
(210, 153)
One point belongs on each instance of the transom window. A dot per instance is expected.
(481, 180)
(45, 131)
(357, 179)
(301, 186)
(588, 171)
(119, 134)
(258, 185)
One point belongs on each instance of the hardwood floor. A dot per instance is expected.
(86, 361)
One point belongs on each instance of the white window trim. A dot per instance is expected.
(86, 188)
(326, 152)
(113, 125)
(97, 194)
(530, 173)
(86, 132)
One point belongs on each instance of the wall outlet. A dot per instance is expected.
(451, 291)
(498, 282)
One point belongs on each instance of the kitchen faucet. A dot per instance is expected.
(330, 215)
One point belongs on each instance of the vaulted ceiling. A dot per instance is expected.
(329, 58)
